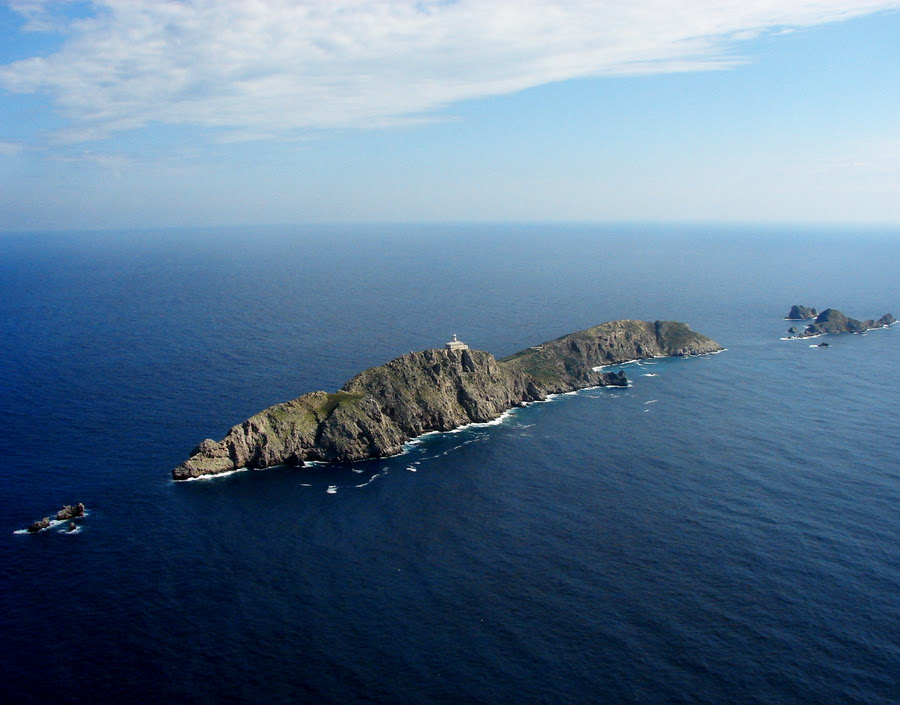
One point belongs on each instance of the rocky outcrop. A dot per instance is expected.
(68, 512)
(800, 313)
(39, 525)
(380, 409)
(833, 321)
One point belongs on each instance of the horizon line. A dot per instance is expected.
(329, 224)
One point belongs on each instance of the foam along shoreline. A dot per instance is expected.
(833, 322)
(54, 523)
(418, 440)
(383, 409)
(216, 476)
(505, 416)
(821, 335)
(636, 361)
(804, 337)
(642, 362)
(410, 445)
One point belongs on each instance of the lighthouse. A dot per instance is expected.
(456, 344)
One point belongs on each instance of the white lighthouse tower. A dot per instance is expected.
(456, 344)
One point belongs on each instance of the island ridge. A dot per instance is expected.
(382, 408)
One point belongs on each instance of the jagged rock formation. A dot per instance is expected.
(800, 313)
(69, 512)
(380, 409)
(39, 525)
(833, 321)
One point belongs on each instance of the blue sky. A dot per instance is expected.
(155, 114)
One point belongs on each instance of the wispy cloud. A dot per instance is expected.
(10, 149)
(878, 159)
(274, 67)
(113, 162)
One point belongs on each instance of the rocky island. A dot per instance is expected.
(833, 321)
(382, 408)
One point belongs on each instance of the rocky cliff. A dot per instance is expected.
(380, 409)
(833, 321)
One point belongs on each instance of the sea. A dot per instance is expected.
(723, 530)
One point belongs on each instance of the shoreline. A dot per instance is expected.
(417, 440)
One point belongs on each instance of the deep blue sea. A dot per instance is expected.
(725, 530)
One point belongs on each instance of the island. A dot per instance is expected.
(379, 410)
(833, 321)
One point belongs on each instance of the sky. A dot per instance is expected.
(149, 114)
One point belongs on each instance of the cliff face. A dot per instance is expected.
(380, 409)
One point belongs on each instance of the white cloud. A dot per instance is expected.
(273, 67)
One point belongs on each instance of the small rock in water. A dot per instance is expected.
(39, 525)
(68, 512)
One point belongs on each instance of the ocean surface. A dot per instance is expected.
(725, 530)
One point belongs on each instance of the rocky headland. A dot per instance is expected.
(382, 408)
(833, 321)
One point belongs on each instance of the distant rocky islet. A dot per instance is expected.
(66, 513)
(832, 321)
